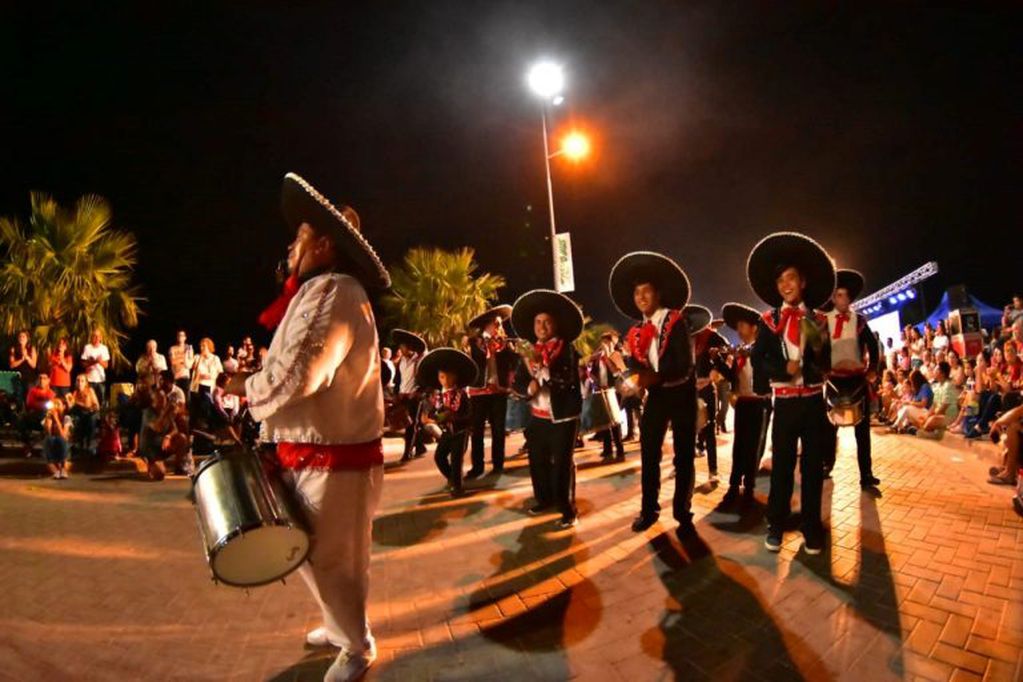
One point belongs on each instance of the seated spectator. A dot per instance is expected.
(83, 408)
(150, 365)
(60, 362)
(175, 396)
(944, 407)
(957, 373)
(1010, 376)
(940, 340)
(57, 428)
(37, 403)
(159, 438)
(889, 386)
(108, 445)
(1007, 430)
(129, 416)
(917, 407)
(1013, 312)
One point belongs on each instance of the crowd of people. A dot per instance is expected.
(176, 404)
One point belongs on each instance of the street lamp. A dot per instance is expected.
(546, 79)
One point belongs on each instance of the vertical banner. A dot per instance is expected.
(564, 280)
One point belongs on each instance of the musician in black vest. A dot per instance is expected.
(794, 274)
(854, 359)
(601, 369)
(549, 378)
(707, 344)
(489, 393)
(653, 289)
(751, 396)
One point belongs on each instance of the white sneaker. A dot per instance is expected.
(319, 637)
(351, 666)
(63, 473)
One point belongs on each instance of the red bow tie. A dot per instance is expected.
(788, 317)
(274, 313)
(450, 399)
(841, 318)
(549, 351)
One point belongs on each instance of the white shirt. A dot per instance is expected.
(407, 367)
(96, 374)
(208, 366)
(320, 381)
(845, 349)
(181, 359)
(939, 341)
(175, 396)
(792, 351)
(744, 378)
(151, 365)
(654, 354)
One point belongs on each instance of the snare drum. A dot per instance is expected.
(251, 532)
(516, 414)
(844, 396)
(600, 412)
(627, 383)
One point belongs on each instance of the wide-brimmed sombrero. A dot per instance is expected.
(850, 280)
(483, 319)
(449, 360)
(414, 341)
(301, 203)
(733, 313)
(647, 267)
(697, 317)
(782, 250)
(568, 318)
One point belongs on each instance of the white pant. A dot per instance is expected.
(339, 506)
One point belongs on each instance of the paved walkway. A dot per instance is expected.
(104, 579)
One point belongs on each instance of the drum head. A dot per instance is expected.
(260, 556)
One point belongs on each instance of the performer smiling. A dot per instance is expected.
(489, 393)
(794, 274)
(653, 289)
(319, 397)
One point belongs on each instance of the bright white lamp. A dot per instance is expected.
(546, 79)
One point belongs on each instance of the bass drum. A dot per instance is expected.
(251, 531)
(516, 415)
(844, 395)
(600, 412)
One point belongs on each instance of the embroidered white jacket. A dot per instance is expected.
(320, 381)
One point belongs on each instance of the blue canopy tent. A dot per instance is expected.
(989, 315)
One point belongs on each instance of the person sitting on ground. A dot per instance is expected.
(944, 408)
(916, 408)
(159, 437)
(170, 388)
(889, 387)
(1007, 429)
(37, 403)
(57, 427)
(83, 407)
(129, 416)
(108, 445)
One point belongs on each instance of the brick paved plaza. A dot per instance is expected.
(104, 580)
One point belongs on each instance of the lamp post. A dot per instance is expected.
(546, 80)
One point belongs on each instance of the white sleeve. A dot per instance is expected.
(320, 332)
(104, 354)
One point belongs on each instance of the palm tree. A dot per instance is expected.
(436, 292)
(68, 273)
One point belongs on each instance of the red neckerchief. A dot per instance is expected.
(790, 314)
(841, 319)
(493, 346)
(639, 338)
(274, 313)
(451, 400)
(548, 352)
(740, 362)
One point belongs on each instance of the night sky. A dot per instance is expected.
(889, 133)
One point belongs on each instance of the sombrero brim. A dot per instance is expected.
(302, 203)
(697, 317)
(410, 339)
(481, 320)
(449, 360)
(568, 318)
(790, 249)
(641, 267)
(850, 280)
(733, 313)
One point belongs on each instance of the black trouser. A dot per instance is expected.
(751, 417)
(412, 431)
(724, 393)
(862, 433)
(612, 436)
(677, 406)
(490, 408)
(551, 466)
(449, 455)
(184, 384)
(707, 433)
(798, 421)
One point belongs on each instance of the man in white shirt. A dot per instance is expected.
(319, 397)
(151, 363)
(95, 360)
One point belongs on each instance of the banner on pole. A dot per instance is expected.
(565, 279)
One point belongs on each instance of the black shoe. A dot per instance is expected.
(620, 457)
(730, 497)
(405, 459)
(473, 474)
(568, 521)
(869, 482)
(497, 471)
(642, 522)
(537, 510)
(606, 457)
(773, 540)
(420, 451)
(994, 471)
(813, 546)
(686, 530)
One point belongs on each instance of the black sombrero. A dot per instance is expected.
(717, 323)
(483, 319)
(414, 341)
(790, 249)
(568, 318)
(697, 317)
(301, 203)
(449, 360)
(850, 280)
(640, 267)
(733, 313)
